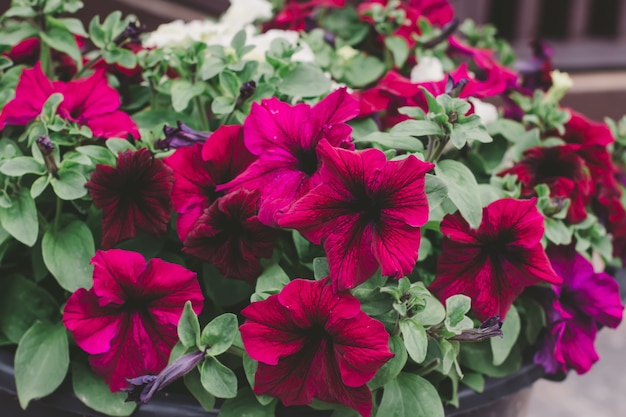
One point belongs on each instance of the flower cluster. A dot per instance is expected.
(315, 204)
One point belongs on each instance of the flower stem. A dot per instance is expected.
(204, 121)
(87, 66)
(57, 215)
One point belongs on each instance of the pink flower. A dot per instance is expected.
(285, 139)
(585, 300)
(127, 321)
(293, 14)
(87, 101)
(133, 196)
(562, 170)
(198, 169)
(366, 211)
(494, 263)
(230, 236)
(313, 343)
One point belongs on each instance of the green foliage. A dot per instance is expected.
(217, 379)
(392, 368)
(41, 361)
(194, 385)
(462, 189)
(20, 218)
(410, 396)
(304, 80)
(189, 327)
(92, 391)
(220, 334)
(501, 347)
(246, 405)
(415, 339)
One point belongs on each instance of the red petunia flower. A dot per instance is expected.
(127, 321)
(561, 169)
(134, 196)
(230, 236)
(198, 169)
(313, 343)
(90, 102)
(284, 138)
(294, 13)
(494, 263)
(367, 212)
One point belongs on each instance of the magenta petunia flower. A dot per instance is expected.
(285, 139)
(230, 236)
(133, 196)
(127, 321)
(561, 169)
(585, 300)
(90, 101)
(367, 212)
(198, 169)
(313, 343)
(494, 263)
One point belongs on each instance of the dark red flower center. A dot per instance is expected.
(370, 207)
(307, 161)
(496, 246)
(555, 165)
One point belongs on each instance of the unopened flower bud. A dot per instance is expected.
(131, 32)
(247, 90)
(142, 388)
(489, 328)
(454, 89)
(180, 136)
(46, 147)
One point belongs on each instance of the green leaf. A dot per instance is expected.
(120, 56)
(188, 327)
(20, 220)
(417, 128)
(73, 25)
(320, 268)
(389, 141)
(436, 191)
(218, 379)
(22, 303)
(38, 186)
(97, 33)
(18, 166)
(462, 189)
(96, 394)
(41, 361)
(456, 307)
(393, 366)
(70, 185)
(211, 67)
(220, 333)
(363, 70)
(246, 405)
(230, 83)
(67, 252)
(410, 396)
(62, 40)
(273, 279)
(478, 357)
(98, 154)
(305, 80)
(501, 346)
(194, 385)
(399, 49)
(223, 105)
(182, 92)
(116, 145)
(474, 381)
(415, 339)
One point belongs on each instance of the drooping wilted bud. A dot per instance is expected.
(489, 328)
(180, 136)
(46, 147)
(142, 388)
(454, 89)
(131, 32)
(247, 90)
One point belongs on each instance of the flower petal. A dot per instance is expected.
(115, 275)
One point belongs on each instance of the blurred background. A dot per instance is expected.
(589, 41)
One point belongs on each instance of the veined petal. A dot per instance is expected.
(115, 274)
(396, 247)
(115, 124)
(89, 97)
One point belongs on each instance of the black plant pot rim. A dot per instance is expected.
(168, 404)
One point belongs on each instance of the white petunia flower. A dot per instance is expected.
(428, 69)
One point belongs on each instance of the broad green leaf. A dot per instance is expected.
(39, 185)
(432, 314)
(188, 327)
(223, 105)
(98, 154)
(183, 92)
(456, 307)
(478, 357)
(415, 339)
(363, 69)
(417, 128)
(410, 396)
(96, 394)
(120, 56)
(462, 189)
(20, 220)
(305, 80)
(16, 167)
(218, 379)
(194, 385)
(220, 333)
(62, 40)
(399, 49)
(70, 185)
(389, 141)
(246, 405)
(211, 67)
(74, 25)
(116, 145)
(273, 279)
(250, 366)
(474, 380)
(393, 366)
(22, 303)
(436, 191)
(230, 83)
(501, 346)
(67, 252)
(41, 361)
(320, 268)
